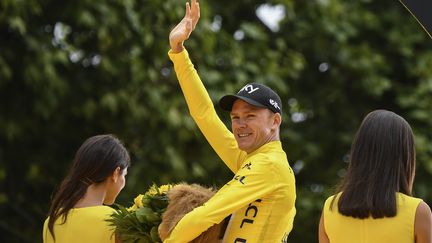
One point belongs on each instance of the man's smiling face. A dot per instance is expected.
(253, 126)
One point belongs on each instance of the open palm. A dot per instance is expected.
(182, 31)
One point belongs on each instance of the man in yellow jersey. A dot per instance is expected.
(260, 198)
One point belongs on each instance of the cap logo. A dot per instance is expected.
(249, 88)
(274, 104)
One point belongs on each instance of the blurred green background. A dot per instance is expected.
(73, 69)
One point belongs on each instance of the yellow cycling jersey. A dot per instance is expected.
(400, 228)
(260, 198)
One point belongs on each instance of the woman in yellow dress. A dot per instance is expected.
(373, 203)
(78, 210)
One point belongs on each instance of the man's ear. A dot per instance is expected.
(277, 120)
(116, 174)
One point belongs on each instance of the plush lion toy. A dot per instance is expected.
(183, 198)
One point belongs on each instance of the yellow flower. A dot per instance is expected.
(154, 190)
(133, 208)
(138, 201)
(151, 191)
(164, 188)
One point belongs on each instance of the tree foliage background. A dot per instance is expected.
(73, 69)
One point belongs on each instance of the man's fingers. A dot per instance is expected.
(195, 13)
(194, 7)
(192, 15)
(198, 10)
(188, 9)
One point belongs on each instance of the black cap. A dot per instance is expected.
(254, 94)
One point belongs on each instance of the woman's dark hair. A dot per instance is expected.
(96, 159)
(382, 162)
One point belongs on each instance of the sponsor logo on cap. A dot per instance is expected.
(274, 104)
(249, 88)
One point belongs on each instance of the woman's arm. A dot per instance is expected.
(322, 235)
(423, 224)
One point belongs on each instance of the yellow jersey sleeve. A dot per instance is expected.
(250, 184)
(202, 111)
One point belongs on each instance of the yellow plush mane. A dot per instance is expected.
(184, 198)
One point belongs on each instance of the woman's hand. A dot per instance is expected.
(182, 31)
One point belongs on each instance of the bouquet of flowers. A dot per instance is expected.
(154, 214)
(139, 223)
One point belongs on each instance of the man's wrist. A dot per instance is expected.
(177, 48)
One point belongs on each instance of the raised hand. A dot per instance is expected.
(182, 31)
